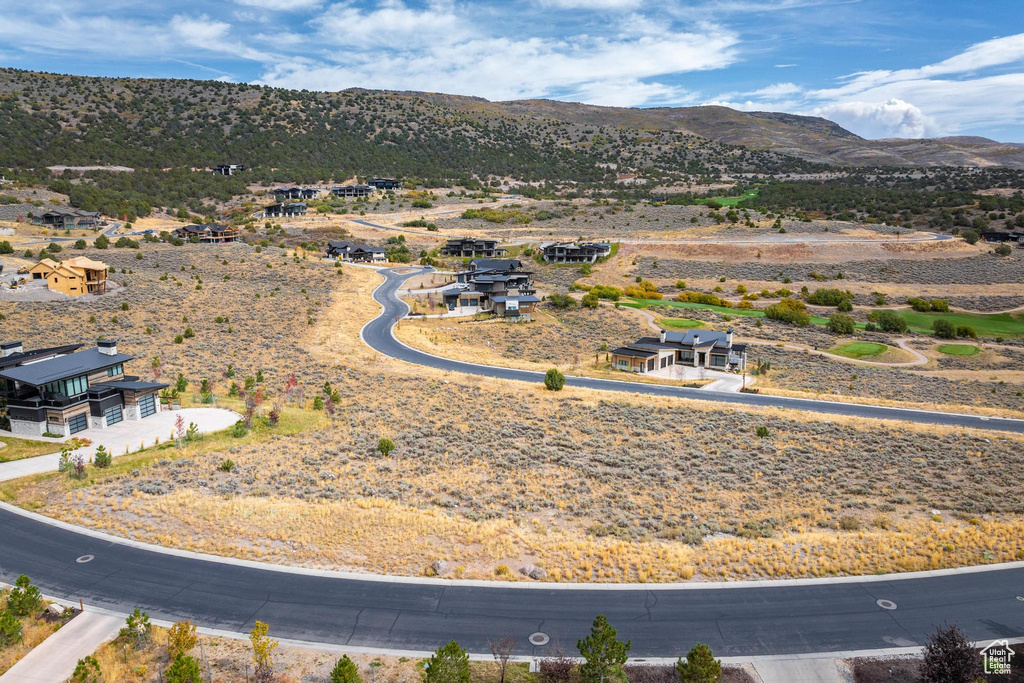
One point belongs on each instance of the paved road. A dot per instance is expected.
(378, 334)
(774, 618)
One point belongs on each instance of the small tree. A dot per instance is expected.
(700, 666)
(262, 652)
(10, 628)
(87, 671)
(24, 598)
(554, 380)
(449, 664)
(385, 446)
(603, 652)
(840, 323)
(181, 384)
(102, 457)
(944, 329)
(345, 671)
(184, 669)
(136, 628)
(948, 657)
(181, 638)
(502, 649)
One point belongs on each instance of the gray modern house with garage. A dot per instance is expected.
(696, 348)
(63, 390)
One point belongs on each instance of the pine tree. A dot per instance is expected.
(603, 652)
(345, 671)
(450, 664)
(700, 666)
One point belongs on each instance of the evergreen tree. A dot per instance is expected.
(700, 666)
(449, 664)
(345, 671)
(604, 653)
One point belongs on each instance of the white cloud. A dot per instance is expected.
(777, 90)
(282, 5)
(627, 93)
(891, 119)
(392, 24)
(615, 5)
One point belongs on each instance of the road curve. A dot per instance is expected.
(378, 334)
(417, 615)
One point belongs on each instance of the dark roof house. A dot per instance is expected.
(696, 348)
(463, 247)
(573, 252)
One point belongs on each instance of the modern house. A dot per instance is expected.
(576, 252)
(62, 390)
(384, 184)
(228, 169)
(355, 252)
(211, 233)
(74, 277)
(696, 348)
(66, 219)
(283, 210)
(297, 192)
(463, 247)
(348, 191)
(1000, 236)
(498, 286)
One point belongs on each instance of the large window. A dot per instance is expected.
(718, 361)
(68, 387)
(115, 371)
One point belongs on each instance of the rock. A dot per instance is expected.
(538, 573)
(55, 609)
(439, 568)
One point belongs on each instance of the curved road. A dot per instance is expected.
(378, 334)
(776, 617)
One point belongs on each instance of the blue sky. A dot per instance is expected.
(896, 68)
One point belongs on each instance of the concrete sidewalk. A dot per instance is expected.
(129, 434)
(55, 658)
(797, 670)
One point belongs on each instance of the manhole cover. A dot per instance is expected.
(1021, 598)
(886, 604)
(539, 638)
(84, 558)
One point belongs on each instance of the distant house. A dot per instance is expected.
(228, 169)
(355, 252)
(285, 210)
(213, 233)
(576, 252)
(297, 192)
(498, 286)
(66, 219)
(349, 191)
(468, 247)
(61, 390)
(384, 184)
(997, 236)
(696, 348)
(74, 277)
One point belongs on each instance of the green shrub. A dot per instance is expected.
(888, 321)
(554, 380)
(967, 331)
(10, 628)
(828, 297)
(1003, 250)
(345, 671)
(762, 432)
(183, 669)
(561, 300)
(385, 446)
(101, 458)
(590, 300)
(700, 666)
(840, 323)
(792, 311)
(239, 429)
(24, 598)
(449, 664)
(943, 329)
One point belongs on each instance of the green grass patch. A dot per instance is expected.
(17, 449)
(680, 323)
(729, 201)
(959, 349)
(985, 324)
(858, 350)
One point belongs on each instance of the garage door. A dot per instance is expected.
(147, 406)
(78, 423)
(113, 415)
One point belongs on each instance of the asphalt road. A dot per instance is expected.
(377, 334)
(774, 618)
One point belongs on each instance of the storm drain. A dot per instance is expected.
(84, 558)
(886, 604)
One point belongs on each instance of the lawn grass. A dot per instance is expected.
(729, 201)
(858, 350)
(985, 324)
(959, 349)
(680, 323)
(16, 449)
(748, 312)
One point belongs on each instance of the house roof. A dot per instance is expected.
(633, 353)
(132, 385)
(527, 299)
(62, 367)
(495, 264)
(84, 263)
(28, 356)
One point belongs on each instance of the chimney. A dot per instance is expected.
(107, 347)
(696, 339)
(10, 348)
(728, 337)
(661, 337)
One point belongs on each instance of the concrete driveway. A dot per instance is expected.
(130, 435)
(723, 381)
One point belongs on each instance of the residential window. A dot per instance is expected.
(115, 371)
(687, 356)
(718, 361)
(68, 387)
